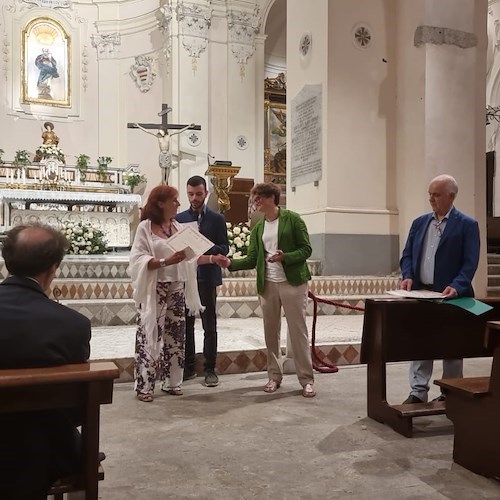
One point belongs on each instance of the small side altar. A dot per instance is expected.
(30, 195)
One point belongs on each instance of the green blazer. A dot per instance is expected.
(293, 240)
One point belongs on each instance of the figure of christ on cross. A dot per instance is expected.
(165, 157)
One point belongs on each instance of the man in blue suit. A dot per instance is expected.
(441, 254)
(213, 226)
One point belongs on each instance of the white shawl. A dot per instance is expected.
(144, 280)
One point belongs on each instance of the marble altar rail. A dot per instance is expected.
(110, 212)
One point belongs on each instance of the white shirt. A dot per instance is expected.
(274, 270)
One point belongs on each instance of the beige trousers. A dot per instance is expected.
(293, 299)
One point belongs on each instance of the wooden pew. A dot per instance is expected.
(404, 330)
(85, 386)
(473, 404)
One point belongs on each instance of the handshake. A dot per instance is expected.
(220, 260)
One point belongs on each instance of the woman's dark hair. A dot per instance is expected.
(267, 189)
(32, 249)
(151, 209)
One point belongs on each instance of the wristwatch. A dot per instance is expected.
(163, 263)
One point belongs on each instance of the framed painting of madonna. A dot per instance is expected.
(46, 65)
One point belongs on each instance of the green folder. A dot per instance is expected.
(469, 304)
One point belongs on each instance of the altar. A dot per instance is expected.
(104, 202)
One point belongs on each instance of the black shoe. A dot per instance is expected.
(411, 399)
(211, 379)
(441, 397)
(189, 375)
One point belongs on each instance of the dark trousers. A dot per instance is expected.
(208, 297)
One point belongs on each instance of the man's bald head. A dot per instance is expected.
(33, 249)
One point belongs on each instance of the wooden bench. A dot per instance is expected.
(473, 404)
(405, 330)
(84, 386)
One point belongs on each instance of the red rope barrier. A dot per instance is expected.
(322, 365)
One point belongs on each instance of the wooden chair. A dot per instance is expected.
(84, 386)
(473, 404)
(406, 330)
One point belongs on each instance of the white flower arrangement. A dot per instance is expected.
(238, 236)
(133, 179)
(46, 150)
(84, 238)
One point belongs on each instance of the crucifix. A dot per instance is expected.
(164, 158)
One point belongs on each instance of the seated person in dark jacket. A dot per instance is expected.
(37, 448)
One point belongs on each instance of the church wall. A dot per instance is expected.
(104, 96)
(353, 208)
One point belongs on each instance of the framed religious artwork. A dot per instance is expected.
(46, 63)
(275, 130)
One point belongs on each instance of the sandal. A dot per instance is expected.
(144, 397)
(308, 391)
(272, 385)
(173, 391)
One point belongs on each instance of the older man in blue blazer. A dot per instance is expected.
(213, 226)
(441, 254)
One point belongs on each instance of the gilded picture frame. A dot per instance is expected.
(46, 63)
(275, 129)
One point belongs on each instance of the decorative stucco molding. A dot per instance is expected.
(106, 44)
(444, 36)
(85, 68)
(50, 4)
(243, 26)
(194, 22)
(5, 55)
(143, 72)
(165, 27)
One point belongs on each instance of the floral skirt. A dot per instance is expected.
(161, 356)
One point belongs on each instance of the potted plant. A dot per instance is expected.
(102, 167)
(82, 163)
(21, 159)
(133, 179)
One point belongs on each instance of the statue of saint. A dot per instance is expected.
(49, 136)
(165, 157)
(47, 66)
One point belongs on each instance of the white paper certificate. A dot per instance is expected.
(416, 294)
(190, 240)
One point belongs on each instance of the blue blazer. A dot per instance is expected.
(457, 255)
(213, 227)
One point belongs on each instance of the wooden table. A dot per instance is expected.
(85, 386)
(405, 330)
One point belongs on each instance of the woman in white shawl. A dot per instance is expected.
(164, 287)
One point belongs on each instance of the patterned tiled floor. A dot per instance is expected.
(245, 361)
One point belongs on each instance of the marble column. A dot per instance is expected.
(441, 82)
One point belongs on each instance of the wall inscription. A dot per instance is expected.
(306, 147)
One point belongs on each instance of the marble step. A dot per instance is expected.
(115, 266)
(118, 312)
(121, 288)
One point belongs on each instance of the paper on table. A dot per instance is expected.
(469, 304)
(190, 240)
(416, 294)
